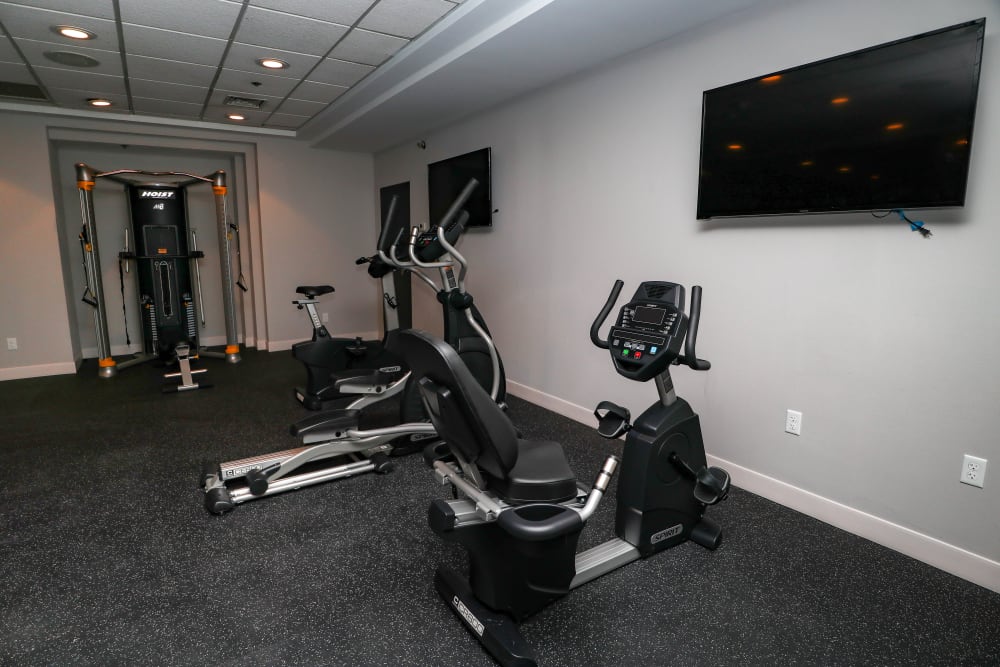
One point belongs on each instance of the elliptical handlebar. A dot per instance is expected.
(603, 315)
(690, 356)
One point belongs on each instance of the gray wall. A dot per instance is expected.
(303, 210)
(885, 341)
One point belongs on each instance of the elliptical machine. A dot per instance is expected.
(337, 367)
(517, 508)
(334, 447)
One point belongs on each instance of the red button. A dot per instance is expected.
(638, 354)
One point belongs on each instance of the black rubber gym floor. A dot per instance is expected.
(108, 558)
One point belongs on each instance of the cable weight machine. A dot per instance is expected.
(166, 258)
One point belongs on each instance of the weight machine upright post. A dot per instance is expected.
(228, 298)
(85, 178)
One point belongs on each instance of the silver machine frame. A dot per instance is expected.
(86, 179)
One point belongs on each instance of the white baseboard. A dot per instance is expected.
(22, 372)
(553, 403)
(954, 560)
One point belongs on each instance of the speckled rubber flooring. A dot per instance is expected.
(108, 557)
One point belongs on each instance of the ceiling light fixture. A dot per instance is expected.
(272, 63)
(98, 102)
(73, 32)
(236, 116)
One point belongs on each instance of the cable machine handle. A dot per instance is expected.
(603, 315)
(690, 355)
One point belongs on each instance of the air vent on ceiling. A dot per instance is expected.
(243, 102)
(22, 91)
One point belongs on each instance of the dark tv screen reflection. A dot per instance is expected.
(882, 128)
(447, 178)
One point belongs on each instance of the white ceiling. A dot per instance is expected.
(363, 74)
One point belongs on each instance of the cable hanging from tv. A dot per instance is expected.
(915, 225)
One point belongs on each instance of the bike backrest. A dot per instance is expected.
(462, 412)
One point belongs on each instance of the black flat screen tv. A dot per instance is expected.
(889, 127)
(447, 178)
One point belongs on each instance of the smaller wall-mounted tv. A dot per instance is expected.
(447, 178)
(889, 127)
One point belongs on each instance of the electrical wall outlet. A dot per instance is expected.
(325, 317)
(793, 422)
(973, 471)
(11, 343)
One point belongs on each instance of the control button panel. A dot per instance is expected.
(647, 336)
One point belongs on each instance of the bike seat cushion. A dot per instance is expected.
(541, 475)
(313, 291)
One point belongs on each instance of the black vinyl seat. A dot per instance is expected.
(313, 291)
(475, 428)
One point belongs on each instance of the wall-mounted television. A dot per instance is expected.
(888, 127)
(447, 178)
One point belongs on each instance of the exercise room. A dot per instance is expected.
(482, 332)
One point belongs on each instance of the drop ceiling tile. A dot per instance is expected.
(339, 72)
(109, 62)
(370, 48)
(272, 86)
(288, 32)
(37, 24)
(211, 18)
(8, 54)
(301, 107)
(244, 58)
(98, 84)
(15, 73)
(344, 12)
(159, 90)
(166, 107)
(405, 18)
(313, 91)
(77, 99)
(170, 45)
(286, 121)
(98, 8)
(170, 71)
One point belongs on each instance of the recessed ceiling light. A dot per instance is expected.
(272, 63)
(236, 116)
(73, 32)
(71, 59)
(98, 102)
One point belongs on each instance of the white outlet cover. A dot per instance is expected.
(973, 471)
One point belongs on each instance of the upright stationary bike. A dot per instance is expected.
(337, 367)
(517, 507)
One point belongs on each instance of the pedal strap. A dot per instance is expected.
(612, 419)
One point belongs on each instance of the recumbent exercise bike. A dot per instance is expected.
(517, 508)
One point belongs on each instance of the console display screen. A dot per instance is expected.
(648, 315)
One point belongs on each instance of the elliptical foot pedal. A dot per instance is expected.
(498, 633)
